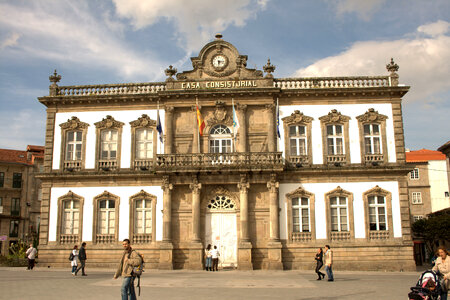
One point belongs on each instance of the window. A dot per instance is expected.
(17, 180)
(300, 215)
(14, 228)
(106, 217)
(339, 215)
(144, 143)
(2, 179)
(414, 174)
(372, 139)
(109, 144)
(417, 218)
(377, 213)
(71, 217)
(335, 140)
(1, 205)
(15, 206)
(416, 198)
(143, 223)
(297, 140)
(220, 139)
(74, 145)
(142, 218)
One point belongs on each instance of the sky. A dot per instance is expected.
(118, 41)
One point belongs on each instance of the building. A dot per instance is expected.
(268, 169)
(446, 150)
(20, 194)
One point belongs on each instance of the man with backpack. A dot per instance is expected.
(129, 267)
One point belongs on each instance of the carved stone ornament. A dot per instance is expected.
(55, 78)
(195, 186)
(273, 185)
(299, 192)
(269, 69)
(392, 67)
(221, 191)
(371, 116)
(143, 195)
(376, 191)
(71, 196)
(243, 184)
(143, 121)
(166, 185)
(297, 117)
(220, 116)
(106, 195)
(74, 123)
(109, 122)
(170, 72)
(334, 117)
(338, 192)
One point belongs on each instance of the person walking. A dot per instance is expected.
(319, 260)
(215, 258)
(74, 262)
(31, 256)
(130, 259)
(82, 259)
(208, 258)
(329, 262)
(442, 267)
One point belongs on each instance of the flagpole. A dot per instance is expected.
(198, 128)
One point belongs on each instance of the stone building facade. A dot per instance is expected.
(20, 195)
(282, 166)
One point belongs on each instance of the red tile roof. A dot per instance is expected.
(13, 156)
(424, 155)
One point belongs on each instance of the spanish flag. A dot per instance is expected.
(201, 123)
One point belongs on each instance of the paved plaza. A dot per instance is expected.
(18, 283)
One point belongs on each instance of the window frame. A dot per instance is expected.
(15, 209)
(370, 117)
(217, 137)
(2, 179)
(70, 196)
(417, 194)
(11, 233)
(297, 118)
(96, 201)
(379, 234)
(412, 175)
(73, 124)
(300, 192)
(17, 181)
(335, 118)
(143, 122)
(135, 237)
(338, 236)
(108, 123)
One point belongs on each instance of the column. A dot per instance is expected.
(168, 124)
(241, 114)
(196, 247)
(165, 254)
(274, 244)
(245, 246)
(270, 115)
(195, 133)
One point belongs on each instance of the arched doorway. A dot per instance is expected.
(220, 228)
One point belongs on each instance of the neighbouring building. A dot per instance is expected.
(268, 169)
(20, 195)
(428, 190)
(446, 150)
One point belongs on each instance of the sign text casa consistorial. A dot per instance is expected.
(219, 84)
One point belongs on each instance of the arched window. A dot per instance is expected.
(221, 203)
(339, 205)
(220, 139)
(106, 218)
(301, 215)
(70, 218)
(142, 218)
(73, 144)
(378, 214)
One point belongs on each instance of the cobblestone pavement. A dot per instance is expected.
(18, 283)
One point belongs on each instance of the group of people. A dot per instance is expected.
(328, 257)
(78, 256)
(211, 258)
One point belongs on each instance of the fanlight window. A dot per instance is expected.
(220, 139)
(221, 203)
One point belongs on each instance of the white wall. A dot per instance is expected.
(437, 176)
(88, 193)
(91, 117)
(351, 110)
(357, 188)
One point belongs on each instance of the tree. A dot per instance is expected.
(433, 229)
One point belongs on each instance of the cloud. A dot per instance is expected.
(11, 40)
(70, 32)
(363, 8)
(424, 61)
(195, 21)
(22, 127)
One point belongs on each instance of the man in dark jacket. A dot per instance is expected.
(82, 258)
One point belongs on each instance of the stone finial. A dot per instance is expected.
(393, 68)
(269, 68)
(218, 36)
(170, 72)
(54, 79)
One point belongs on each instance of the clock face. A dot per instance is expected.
(219, 61)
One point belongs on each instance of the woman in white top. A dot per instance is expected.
(442, 266)
(74, 259)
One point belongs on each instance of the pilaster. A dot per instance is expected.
(168, 120)
(245, 246)
(196, 247)
(241, 114)
(274, 246)
(166, 249)
(270, 115)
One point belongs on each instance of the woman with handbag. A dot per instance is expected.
(74, 256)
(208, 258)
(442, 267)
(319, 260)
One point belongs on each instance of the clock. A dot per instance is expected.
(219, 61)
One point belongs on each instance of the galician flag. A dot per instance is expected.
(201, 123)
(278, 120)
(235, 120)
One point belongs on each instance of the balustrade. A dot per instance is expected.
(112, 89)
(378, 234)
(68, 239)
(370, 158)
(301, 236)
(104, 238)
(72, 165)
(332, 82)
(107, 164)
(142, 238)
(299, 159)
(331, 159)
(340, 235)
(141, 164)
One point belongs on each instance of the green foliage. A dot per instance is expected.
(432, 229)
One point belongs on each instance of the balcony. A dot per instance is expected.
(72, 165)
(374, 158)
(297, 160)
(340, 235)
(220, 161)
(299, 237)
(378, 234)
(68, 239)
(107, 165)
(336, 159)
(142, 238)
(105, 238)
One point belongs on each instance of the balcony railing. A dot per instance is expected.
(142, 164)
(374, 158)
(301, 236)
(112, 89)
(299, 159)
(72, 165)
(340, 235)
(378, 234)
(255, 160)
(142, 238)
(332, 82)
(332, 159)
(104, 238)
(68, 239)
(107, 164)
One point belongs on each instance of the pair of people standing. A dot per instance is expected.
(81, 256)
(328, 257)
(211, 258)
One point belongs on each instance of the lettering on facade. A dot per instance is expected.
(219, 84)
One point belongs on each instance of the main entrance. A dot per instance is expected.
(220, 229)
